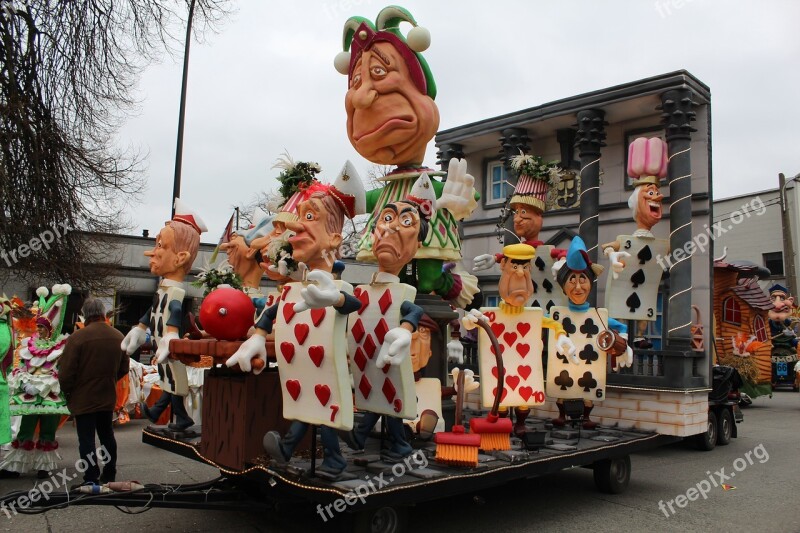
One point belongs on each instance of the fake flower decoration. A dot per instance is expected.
(210, 277)
(295, 175)
(535, 167)
(280, 250)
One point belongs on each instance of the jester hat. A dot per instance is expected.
(52, 308)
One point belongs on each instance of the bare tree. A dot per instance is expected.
(66, 78)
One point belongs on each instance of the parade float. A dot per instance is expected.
(332, 361)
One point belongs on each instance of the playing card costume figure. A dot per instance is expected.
(528, 204)
(379, 336)
(391, 117)
(583, 323)
(34, 389)
(310, 325)
(519, 332)
(632, 287)
(171, 259)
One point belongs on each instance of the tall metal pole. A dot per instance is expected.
(176, 184)
(788, 247)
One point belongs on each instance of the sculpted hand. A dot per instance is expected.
(163, 346)
(455, 352)
(458, 195)
(469, 380)
(617, 262)
(135, 338)
(483, 262)
(253, 347)
(470, 320)
(323, 294)
(396, 347)
(557, 266)
(565, 346)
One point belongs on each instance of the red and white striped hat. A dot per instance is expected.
(530, 191)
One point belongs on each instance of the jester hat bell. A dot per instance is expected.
(360, 34)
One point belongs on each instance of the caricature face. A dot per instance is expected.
(389, 121)
(312, 243)
(783, 306)
(527, 221)
(164, 260)
(236, 250)
(395, 239)
(420, 348)
(648, 211)
(577, 288)
(515, 286)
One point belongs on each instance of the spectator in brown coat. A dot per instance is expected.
(89, 369)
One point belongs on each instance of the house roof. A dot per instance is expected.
(751, 292)
(746, 269)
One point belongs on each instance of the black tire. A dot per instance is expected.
(612, 475)
(708, 440)
(381, 520)
(724, 426)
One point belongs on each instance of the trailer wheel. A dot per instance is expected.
(708, 440)
(381, 520)
(612, 475)
(724, 426)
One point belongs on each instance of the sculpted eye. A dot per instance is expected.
(378, 71)
(309, 216)
(356, 80)
(388, 217)
(407, 222)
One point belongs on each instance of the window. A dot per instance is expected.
(731, 313)
(497, 187)
(492, 301)
(760, 329)
(774, 262)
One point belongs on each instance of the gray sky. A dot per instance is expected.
(266, 83)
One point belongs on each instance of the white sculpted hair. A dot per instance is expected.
(633, 201)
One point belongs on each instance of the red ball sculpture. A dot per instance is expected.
(227, 314)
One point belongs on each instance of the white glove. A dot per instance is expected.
(625, 361)
(163, 346)
(252, 347)
(133, 340)
(483, 262)
(566, 347)
(469, 380)
(458, 195)
(31, 389)
(470, 320)
(455, 352)
(557, 266)
(617, 261)
(324, 294)
(396, 347)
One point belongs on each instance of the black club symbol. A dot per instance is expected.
(587, 382)
(569, 327)
(589, 328)
(588, 354)
(564, 381)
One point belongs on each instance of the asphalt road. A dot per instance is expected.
(764, 497)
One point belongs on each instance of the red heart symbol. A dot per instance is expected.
(512, 381)
(502, 395)
(494, 372)
(293, 388)
(498, 328)
(317, 316)
(287, 349)
(524, 371)
(301, 332)
(288, 311)
(523, 328)
(316, 353)
(502, 349)
(525, 392)
(398, 405)
(523, 349)
(323, 393)
(509, 338)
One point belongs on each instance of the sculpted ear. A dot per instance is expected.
(336, 241)
(181, 258)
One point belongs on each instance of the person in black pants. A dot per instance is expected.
(90, 367)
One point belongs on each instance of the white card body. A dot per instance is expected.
(634, 294)
(546, 291)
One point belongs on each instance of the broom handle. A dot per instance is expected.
(501, 371)
(459, 397)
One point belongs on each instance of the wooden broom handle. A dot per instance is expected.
(501, 371)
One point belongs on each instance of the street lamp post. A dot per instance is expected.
(176, 184)
(788, 245)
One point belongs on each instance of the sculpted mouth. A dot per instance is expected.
(655, 209)
(404, 121)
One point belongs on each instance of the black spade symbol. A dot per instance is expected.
(536, 304)
(547, 285)
(638, 278)
(589, 328)
(539, 264)
(644, 255)
(535, 287)
(549, 305)
(562, 358)
(587, 382)
(563, 380)
(588, 354)
(633, 302)
(569, 327)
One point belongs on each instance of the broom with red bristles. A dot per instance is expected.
(457, 447)
(495, 432)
